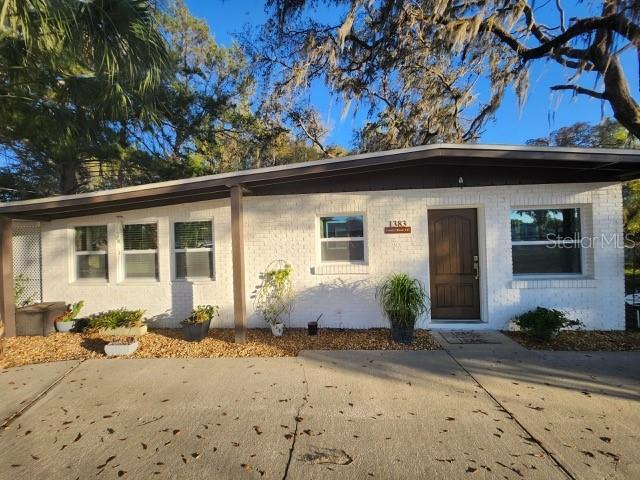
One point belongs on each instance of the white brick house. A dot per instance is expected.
(497, 231)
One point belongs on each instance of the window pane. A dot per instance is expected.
(347, 251)
(92, 266)
(536, 225)
(541, 259)
(194, 264)
(342, 227)
(193, 235)
(141, 265)
(91, 239)
(140, 237)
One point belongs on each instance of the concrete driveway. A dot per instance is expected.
(480, 411)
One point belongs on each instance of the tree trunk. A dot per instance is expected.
(616, 89)
(625, 109)
(68, 177)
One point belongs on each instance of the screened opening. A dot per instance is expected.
(342, 238)
(140, 250)
(546, 241)
(193, 249)
(91, 247)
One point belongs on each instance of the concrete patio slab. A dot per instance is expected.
(21, 385)
(407, 416)
(159, 418)
(346, 414)
(584, 407)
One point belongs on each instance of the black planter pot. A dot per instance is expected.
(312, 328)
(402, 333)
(194, 332)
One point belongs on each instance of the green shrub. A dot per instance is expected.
(117, 318)
(71, 312)
(402, 298)
(201, 314)
(544, 323)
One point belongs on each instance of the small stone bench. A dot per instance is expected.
(39, 318)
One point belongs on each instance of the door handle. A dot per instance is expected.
(476, 267)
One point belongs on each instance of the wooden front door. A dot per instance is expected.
(454, 264)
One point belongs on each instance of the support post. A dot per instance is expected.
(237, 251)
(7, 302)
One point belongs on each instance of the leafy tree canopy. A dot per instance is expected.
(608, 134)
(417, 64)
(110, 93)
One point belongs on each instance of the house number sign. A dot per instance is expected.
(397, 226)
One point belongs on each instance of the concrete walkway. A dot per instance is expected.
(583, 407)
(327, 414)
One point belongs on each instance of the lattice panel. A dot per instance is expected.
(27, 261)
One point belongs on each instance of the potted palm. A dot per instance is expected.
(274, 298)
(196, 325)
(67, 321)
(403, 300)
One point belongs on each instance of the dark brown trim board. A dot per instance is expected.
(429, 166)
(7, 302)
(237, 249)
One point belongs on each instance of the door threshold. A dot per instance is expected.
(456, 320)
(459, 325)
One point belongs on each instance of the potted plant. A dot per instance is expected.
(120, 322)
(274, 297)
(121, 346)
(544, 323)
(67, 321)
(196, 325)
(403, 300)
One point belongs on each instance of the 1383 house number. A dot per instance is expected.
(397, 226)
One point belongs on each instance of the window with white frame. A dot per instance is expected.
(140, 251)
(91, 246)
(193, 249)
(546, 241)
(342, 239)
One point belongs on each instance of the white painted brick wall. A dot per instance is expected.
(285, 227)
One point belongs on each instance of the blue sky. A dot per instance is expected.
(543, 112)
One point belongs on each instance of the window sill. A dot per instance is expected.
(147, 281)
(340, 268)
(551, 282)
(83, 283)
(194, 281)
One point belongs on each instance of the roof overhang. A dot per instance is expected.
(484, 164)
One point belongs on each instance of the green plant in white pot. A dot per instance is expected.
(403, 300)
(274, 297)
(67, 321)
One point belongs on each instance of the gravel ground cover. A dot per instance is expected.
(168, 343)
(592, 340)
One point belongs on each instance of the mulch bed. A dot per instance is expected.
(592, 340)
(169, 343)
